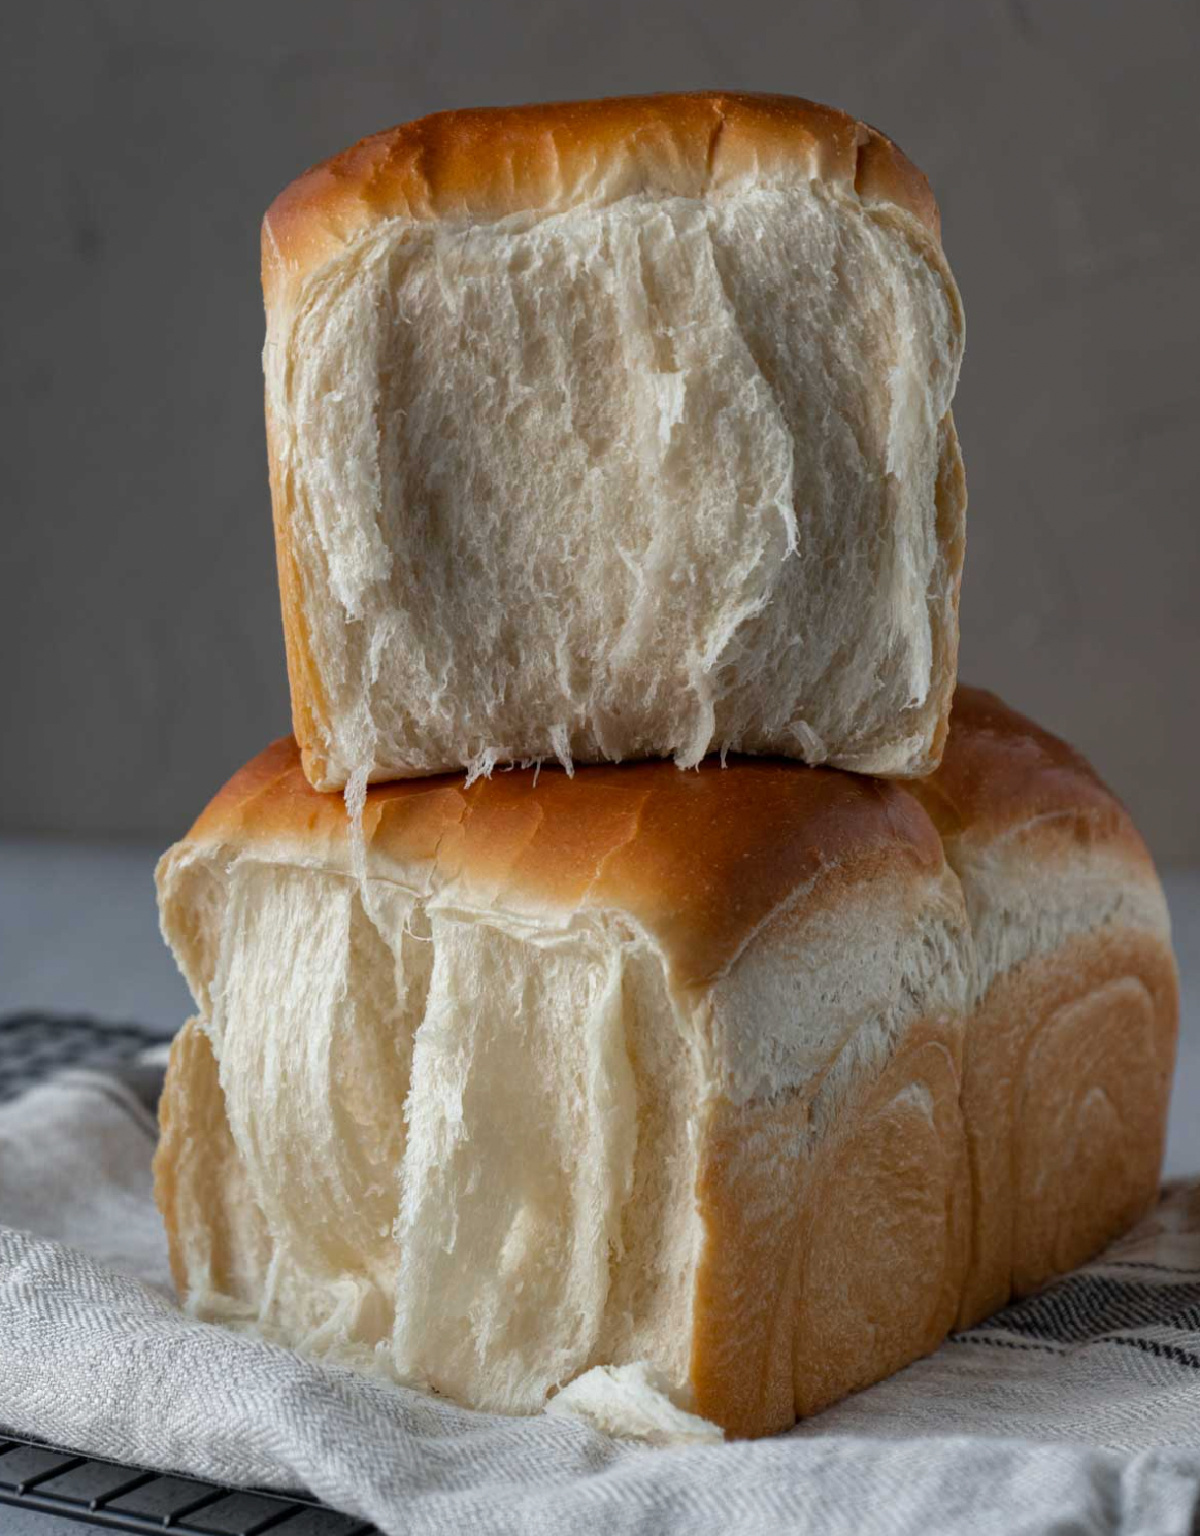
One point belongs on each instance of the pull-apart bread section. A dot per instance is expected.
(640, 1067)
(1075, 999)
(613, 430)
(745, 1080)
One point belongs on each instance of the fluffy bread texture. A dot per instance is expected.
(614, 430)
(719, 1094)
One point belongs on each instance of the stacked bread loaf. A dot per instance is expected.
(695, 1019)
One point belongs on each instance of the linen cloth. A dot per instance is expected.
(1075, 1411)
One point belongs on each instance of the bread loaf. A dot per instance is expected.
(732, 1080)
(614, 430)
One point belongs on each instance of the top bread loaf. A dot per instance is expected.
(611, 430)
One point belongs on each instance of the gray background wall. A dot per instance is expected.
(141, 143)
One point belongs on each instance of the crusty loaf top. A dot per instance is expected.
(699, 859)
(1001, 774)
(478, 166)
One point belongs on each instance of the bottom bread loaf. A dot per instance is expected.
(754, 1081)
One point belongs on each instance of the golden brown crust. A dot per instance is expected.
(1067, 1079)
(823, 1271)
(957, 1181)
(484, 164)
(950, 501)
(700, 858)
(1000, 773)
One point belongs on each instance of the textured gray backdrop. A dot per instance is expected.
(141, 143)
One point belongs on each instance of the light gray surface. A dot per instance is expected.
(144, 142)
(78, 932)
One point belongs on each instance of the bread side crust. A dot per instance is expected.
(958, 1180)
(823, 1271)
(951, 502)
(1066, 1089)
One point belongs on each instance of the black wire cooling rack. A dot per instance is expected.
(40, 1478)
